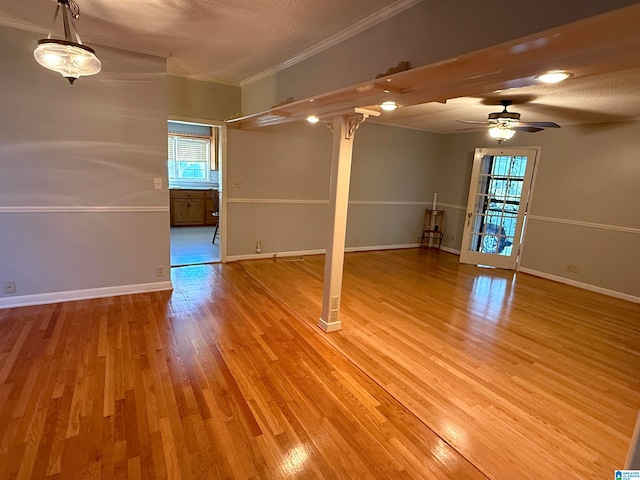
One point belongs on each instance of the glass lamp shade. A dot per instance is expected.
(501, 133)
(69, 59)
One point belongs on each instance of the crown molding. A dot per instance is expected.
(202, 78)
(339, 37)
(20, 25)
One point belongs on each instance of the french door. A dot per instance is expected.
(497, 205)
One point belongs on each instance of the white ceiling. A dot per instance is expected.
(610, 97)
(232, 41)
(220, 40)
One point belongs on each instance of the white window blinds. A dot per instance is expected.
(188, 158)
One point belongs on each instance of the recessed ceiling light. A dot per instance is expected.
(388, 106)
(553, 77)
(312, 119)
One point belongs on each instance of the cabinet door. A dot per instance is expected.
(180, 211)
(196, 211)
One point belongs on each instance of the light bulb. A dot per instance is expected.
(388, 106)
(553, 77)
(501, 133)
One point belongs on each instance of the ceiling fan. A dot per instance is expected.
(503, 125)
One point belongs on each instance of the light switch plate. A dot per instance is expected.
(157, 183)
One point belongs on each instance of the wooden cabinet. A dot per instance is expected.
(190, 207)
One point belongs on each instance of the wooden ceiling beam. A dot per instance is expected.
(604, 43)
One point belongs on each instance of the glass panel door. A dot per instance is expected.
(498, 196)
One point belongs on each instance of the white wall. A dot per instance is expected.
(78, 212)
(584, 209)
(283, 175)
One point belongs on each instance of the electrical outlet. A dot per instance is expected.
(334, 302)
(236, 183)
(157, 183)
(9, 287)
(160, 271)
(573, 268)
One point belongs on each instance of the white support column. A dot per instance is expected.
(343, 129)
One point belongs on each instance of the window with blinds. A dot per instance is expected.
(189, 158)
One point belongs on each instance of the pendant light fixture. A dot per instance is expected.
(69, 58)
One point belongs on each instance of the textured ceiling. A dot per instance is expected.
(610, 97)
(232, 40)
(227, 41)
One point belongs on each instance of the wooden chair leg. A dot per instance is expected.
(216, 232)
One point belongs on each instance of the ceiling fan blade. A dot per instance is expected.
(472, 122)
(527, 129)
(539, 124)
(476, 129)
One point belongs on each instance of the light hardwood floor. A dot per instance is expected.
(479, 376)
(216, 380)
(524, 377)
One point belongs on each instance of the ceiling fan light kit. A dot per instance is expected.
(503, 125)
(501, 133)
(555, 76)
(69, 58)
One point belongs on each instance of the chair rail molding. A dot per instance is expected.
(580, 223)
(83, 209)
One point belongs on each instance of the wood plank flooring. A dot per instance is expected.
(525, 378)
(218, 379)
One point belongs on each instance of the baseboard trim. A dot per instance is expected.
(260, 256)
(297, 253)
(584, 286)
(382, 247)
(450, 250)
(72, 295)
(329, 327)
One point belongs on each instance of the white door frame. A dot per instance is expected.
(491, 259)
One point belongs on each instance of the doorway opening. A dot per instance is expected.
(193, 171)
